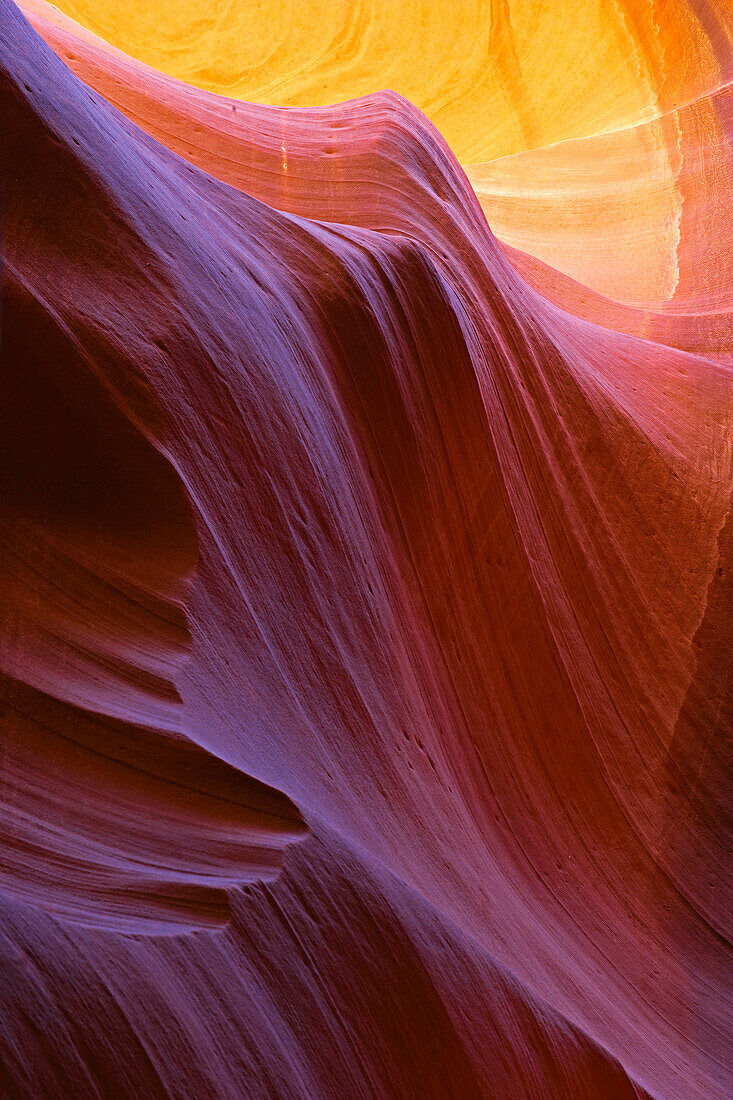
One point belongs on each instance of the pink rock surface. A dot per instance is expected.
(341, 562)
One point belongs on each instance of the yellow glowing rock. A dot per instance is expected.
(605, 209)
(495, 76)
(594, 133)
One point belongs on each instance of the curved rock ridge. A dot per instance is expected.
(443, 563)
(281, 1003)
(498, 77)
(620, 212)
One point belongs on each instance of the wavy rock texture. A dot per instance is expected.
(366, 582)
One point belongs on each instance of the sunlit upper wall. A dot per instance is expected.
(496, 76)
(620, 168)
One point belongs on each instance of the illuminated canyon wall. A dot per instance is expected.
(367, 549)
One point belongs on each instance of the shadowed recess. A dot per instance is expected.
(112, 816)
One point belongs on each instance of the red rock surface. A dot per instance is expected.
(341, 562)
